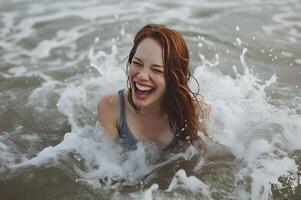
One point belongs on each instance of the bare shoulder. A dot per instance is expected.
(111, 100)
(108, 113)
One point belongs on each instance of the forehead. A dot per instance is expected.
(150, 51)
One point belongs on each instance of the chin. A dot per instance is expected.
(141, 103)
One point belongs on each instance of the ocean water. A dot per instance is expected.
(57, 58)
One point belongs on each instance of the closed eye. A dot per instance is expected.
(157, 70)
(137, 63)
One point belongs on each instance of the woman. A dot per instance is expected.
(158, 104)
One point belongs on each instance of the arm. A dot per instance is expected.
(107, 113)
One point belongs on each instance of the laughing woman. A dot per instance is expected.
(158, 104)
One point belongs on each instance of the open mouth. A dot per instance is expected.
(142, 89)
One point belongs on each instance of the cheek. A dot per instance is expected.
(132, 71)
(162, 82)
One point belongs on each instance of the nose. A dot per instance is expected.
(143, 74)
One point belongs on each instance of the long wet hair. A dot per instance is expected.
(179, 101)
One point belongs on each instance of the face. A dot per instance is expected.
(146, 74)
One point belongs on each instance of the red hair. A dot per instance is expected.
(179, 102)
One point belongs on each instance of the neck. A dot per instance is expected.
(151, 111)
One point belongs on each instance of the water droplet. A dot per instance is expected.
(238, 41)
(96, 39)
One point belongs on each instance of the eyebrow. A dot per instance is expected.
(155, 65)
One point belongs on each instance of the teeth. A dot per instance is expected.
(143, 88)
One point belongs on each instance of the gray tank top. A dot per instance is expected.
(128, 141)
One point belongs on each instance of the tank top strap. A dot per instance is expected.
(128, 141)
(122, 109)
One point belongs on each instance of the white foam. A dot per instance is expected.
(36, 8)
(287, 54)
(41, 96)
(103, 62)
(7, 19)
(9, 152)
(284, 20)
(7, 156)
(78, 98)
(101, 157)
(105, 161)
(291, 132)
(148, 194)
(254, 130)
(257, 148)
(62, 38)
(190, 183)
(298, 61)
(18, 71)
(268, 171)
